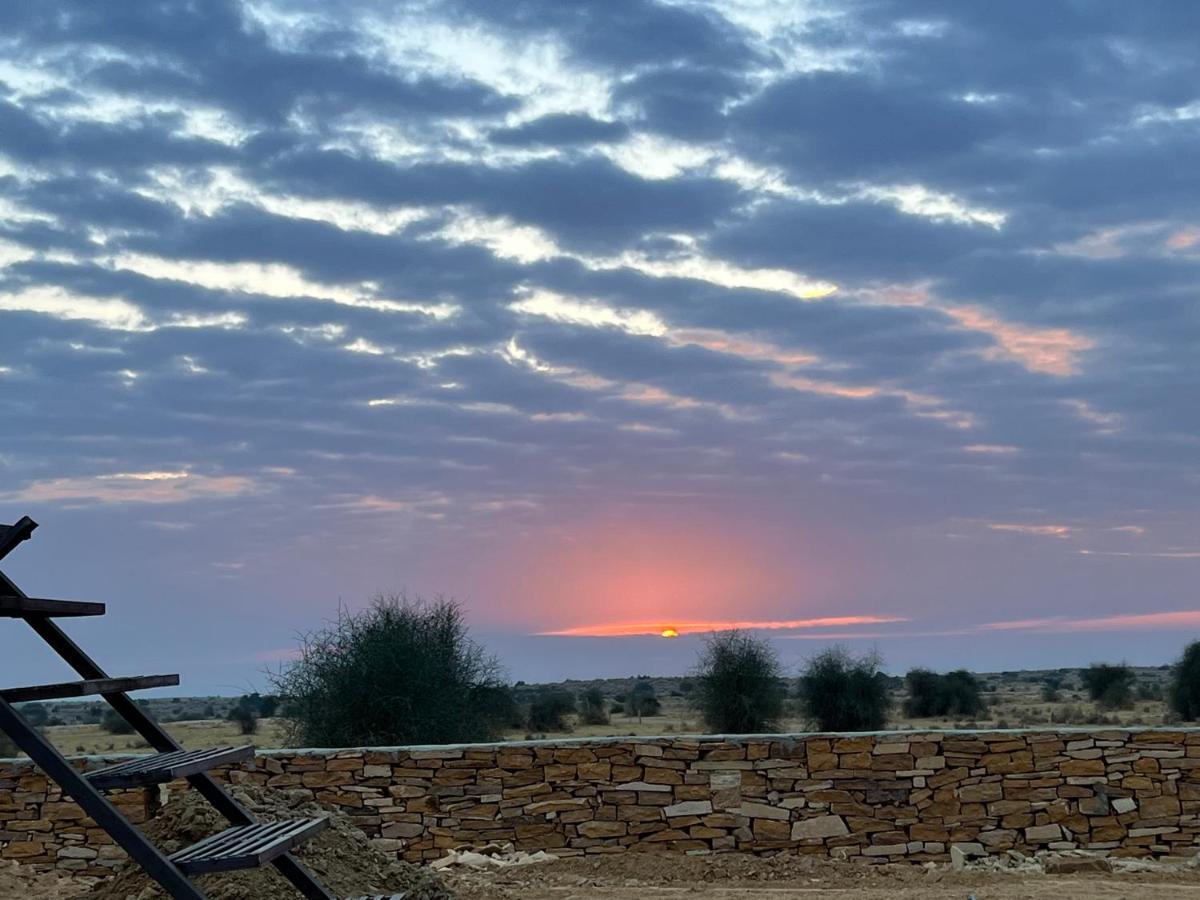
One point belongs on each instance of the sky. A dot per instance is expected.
(871, 322)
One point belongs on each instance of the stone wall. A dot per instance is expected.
(887, 796)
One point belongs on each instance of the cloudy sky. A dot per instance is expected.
(870, 321)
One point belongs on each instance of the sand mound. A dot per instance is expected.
(340, 856)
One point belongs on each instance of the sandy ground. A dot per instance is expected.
(643, 876)
(646, 876)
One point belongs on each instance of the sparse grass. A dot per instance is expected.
(74, 740)
(1015, 701)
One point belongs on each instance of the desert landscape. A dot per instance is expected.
(1018, 699)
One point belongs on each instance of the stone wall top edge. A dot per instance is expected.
(907, 734)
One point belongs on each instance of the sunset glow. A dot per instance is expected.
(630, 629)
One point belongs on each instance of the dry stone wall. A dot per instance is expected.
(889, 796)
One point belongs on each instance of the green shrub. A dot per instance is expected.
(1111, 686)
(398, 672)
(245, 719)
(549, 708)
(114, 724)
(1050, 687)
(840, 692)
(35, 714)
(738, 684)
(642, 700)
(592, 710)
(1184, 690)
(956, 693)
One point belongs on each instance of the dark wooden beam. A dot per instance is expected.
(14, 607)
(88, 688)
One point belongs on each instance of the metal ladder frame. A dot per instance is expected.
(106, 815)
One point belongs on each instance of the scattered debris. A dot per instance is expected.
(493, 856)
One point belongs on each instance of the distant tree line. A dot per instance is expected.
(405, 671)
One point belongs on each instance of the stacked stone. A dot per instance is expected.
(892, 796)
(40, 827)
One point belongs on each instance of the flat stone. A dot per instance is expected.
(1069, 865)
(1043, 834)
(819, 827)
(688, 808)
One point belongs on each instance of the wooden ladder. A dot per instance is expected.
(245, 844)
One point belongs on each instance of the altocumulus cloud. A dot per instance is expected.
(888, 269)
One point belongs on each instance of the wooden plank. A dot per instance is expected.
(87, 688)
(163, 767)
(13, 607)
(246, 846)
(13, 535)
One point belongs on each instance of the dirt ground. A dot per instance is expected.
(646, 876)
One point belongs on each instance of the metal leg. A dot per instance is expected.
(92, 802)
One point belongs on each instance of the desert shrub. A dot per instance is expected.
(592, 710)
(1111, 686)
(617, 708)
(686, 685)
(35, 714)
(738, 684)
(114, 724)
(1147, 691)
(245, 719)
(1184, 691)
(398, 672)
(262, 706)
(953, 694)
(840, 692)
(642, 700)
(1050, 687)
(549, 708)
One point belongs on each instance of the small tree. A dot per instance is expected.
(840, 692)
(738, 682)
(1111, 686)
(35, 714)
(245, 719)
(592, 709)
(399, 672)
(549, 708)
(1184, 690)
(642, 700)
(1050, 688)
(114, 724)
(956, 693)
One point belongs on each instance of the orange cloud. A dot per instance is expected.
(1053, 351)
(1188, 618)
(632, 629)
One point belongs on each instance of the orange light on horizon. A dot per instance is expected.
(655, 629)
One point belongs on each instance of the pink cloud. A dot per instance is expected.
(1189, 618)
(1057, 531)
(631, 629)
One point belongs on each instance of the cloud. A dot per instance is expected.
(1155, 621)
(626, 629)
(155, 487)
(1055, 531)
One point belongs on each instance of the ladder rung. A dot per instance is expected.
(246, 846)
(12, 607)
(87, 688)
(165, 767)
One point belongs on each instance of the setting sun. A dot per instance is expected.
(670, 633)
